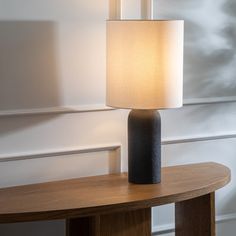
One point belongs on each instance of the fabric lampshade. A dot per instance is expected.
(145, 64)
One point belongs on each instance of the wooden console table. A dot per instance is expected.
(109, 206)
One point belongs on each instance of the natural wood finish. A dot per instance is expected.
(108, 193)
(137, 222)
(84, 226)
(196, 217)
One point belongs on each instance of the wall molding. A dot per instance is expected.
(102, 147)
(55, 110)
(147, 9)
(210, 100)
(170, 228)
(101, 107)
(59, 152)
(198, 138)
(115, 10)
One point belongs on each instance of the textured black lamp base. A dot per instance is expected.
(144, 147)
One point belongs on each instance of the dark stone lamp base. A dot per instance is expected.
(144, 147)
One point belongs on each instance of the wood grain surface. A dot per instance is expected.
(108, 193)
(128, 223)
(196, 217)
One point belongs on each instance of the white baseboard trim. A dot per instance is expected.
(163, 229)
(225, 218)
(170, 228)
(59, 152)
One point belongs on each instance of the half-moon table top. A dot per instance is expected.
(108, 193)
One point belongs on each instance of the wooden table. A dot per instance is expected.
(108, 205)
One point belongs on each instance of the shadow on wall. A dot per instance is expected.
(210, 48)
(210, 55)
(28, 65)
(209, 72)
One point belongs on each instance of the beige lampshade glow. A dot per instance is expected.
(144, 64)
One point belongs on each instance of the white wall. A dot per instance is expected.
(53, 122)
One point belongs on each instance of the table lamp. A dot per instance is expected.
(144, 73)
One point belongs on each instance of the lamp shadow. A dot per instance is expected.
(28, 65)
(209, 71)
(210, 48)
(29, 73)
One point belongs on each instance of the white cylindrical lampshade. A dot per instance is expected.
(145, 64)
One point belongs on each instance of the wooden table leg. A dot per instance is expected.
(196, 217)
(87, 226)
(131, 223)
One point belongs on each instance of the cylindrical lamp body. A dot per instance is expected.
(144, 147)
(144, 73)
